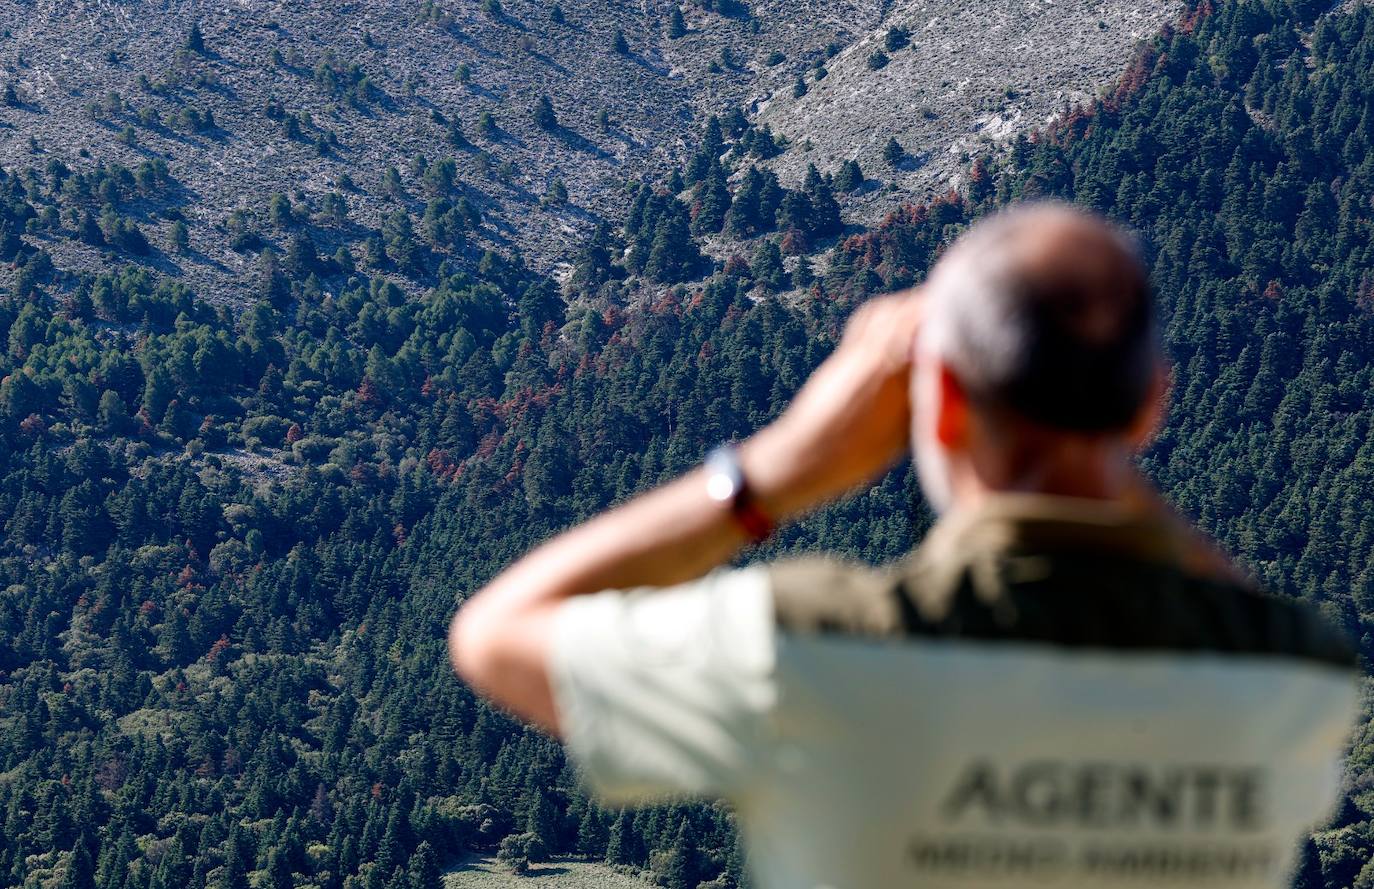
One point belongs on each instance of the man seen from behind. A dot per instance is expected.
(1063, 685)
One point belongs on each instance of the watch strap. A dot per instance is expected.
(755, 522)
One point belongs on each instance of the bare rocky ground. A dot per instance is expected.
(974, 76)
(108, 81)
(76, 67)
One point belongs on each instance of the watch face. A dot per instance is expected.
(720, 486)
(724, 478)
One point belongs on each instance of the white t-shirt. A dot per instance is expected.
(949, 752)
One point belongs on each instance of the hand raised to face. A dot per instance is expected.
(852, 418)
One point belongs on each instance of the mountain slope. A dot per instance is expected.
(314, 104)
(231, 540)
(956, 80)
(300, 96)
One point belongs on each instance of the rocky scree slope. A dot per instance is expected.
(293, 98)
(948, 79)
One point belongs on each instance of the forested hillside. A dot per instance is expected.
(232, 541)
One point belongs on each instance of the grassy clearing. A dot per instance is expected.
(562, 873)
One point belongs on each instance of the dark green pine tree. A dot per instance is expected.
(766, 264)
(893, 152)
(681, 872)
(677, 26)
(174, 638)
(673, 255)
(80, 870)
(302, 258)
(424, 872)
(735, 122)
(88, 230)
(542, 820)
(746, 214)
(592, 267)
(158, 391)
(179, 238)
(794, 214)
(398, 236)
(112, 415)
(764, 143)
(622, 843)
(591, 833)
(278, 871)
(544, 116)
(392, 185)
(707, 157)
(271, 282)
(206, 847)
(713, 202)
(713, 138)
(195, 40)
(238, 860)
(736, 865)
(389, 849)
(825, 218)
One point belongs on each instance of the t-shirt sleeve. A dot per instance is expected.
(664, 692)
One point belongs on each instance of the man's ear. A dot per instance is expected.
(951, 411)
(1150, 418)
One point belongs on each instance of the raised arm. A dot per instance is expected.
(848, 424)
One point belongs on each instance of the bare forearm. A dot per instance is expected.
(667, 536)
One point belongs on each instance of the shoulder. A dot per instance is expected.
(1080, 602)
(720, 621)
(1285, 626)
(816, 594)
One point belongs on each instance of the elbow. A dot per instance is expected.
(468, 653)
(500, 651)
(484, 644)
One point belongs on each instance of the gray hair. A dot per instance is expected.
(1044, 310)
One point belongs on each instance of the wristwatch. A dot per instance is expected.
(726, 484)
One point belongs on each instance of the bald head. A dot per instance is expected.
(1044, 312)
